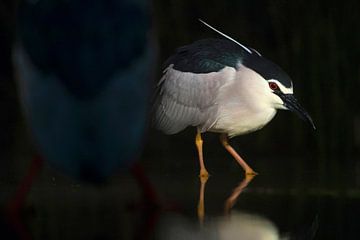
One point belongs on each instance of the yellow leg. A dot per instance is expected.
(199, 142)
(243, 164)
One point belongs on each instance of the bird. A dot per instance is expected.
(220, 85)
(84, 78)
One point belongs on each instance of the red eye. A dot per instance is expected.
(273, 86)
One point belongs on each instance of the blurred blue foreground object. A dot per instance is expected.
(222, 86)
(84, 79)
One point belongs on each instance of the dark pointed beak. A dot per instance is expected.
(292, 104)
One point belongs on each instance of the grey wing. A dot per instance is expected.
(189, 99)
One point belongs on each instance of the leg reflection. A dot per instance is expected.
(231, 200)
(201, 204)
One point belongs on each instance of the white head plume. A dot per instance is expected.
(228, 37)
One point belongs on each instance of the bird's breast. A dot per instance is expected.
(244, 104)
(241, 120)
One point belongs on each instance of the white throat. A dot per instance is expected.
(247, 103)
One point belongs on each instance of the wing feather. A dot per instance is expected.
(189, 99)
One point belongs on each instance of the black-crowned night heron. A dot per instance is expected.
(220, 85)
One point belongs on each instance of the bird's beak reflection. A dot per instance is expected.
(292, 104)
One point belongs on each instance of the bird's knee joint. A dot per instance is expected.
(198, 142)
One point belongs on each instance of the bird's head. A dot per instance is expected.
(274, 83)
(278, 84)
(287, 100)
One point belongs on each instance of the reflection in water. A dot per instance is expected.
(233, 225)
(229, 203)
(237, 191)
(201, 204)
(237, 226)
(246, 226)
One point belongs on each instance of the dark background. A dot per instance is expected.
(315, 42)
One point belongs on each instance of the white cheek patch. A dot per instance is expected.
(283, 89)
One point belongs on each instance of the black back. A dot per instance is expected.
(212, 55)
(207, 55)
